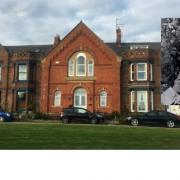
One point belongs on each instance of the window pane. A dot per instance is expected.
(142, 101)
(141, 75)
(103, 99)
(71, 68)
(81, 69)
(77, 101)
(141, 67)
(81, 60)
(82, 100)
(22, 74)
(57, 98)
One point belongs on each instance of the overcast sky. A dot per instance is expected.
(38, 21)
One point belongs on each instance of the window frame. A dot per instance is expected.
(18, 72)
(132, 101)
(103, 98)
(71, 63)
(92, 66)
(132, 72)
(57, 98)
(145, 71)
(77, 73)
(146, 101)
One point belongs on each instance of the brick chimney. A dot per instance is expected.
(56, 40)
(118, 37)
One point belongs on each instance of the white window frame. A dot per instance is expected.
(80, 92)
(131, 72)
(84, 56)
(132, 101)
(152, 100)
(57, 98)
(151, 72)
(145, 79)
(71, 63)
(146, 101)
(25, 72)
(103, 98)
(0, 72)
(92, 66)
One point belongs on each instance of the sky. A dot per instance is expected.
(38, 21)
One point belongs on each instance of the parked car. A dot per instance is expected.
(80, 114)
(163, 117)
(5, 116)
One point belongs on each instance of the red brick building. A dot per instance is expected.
(81, 70)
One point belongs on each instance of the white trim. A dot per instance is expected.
(145, 79)
(75, 105)
(57, 98)
(103, 98)
(132, 100)
(92, 74)
(151, 72)
(69, 72)
(84, 66)
(152, 100)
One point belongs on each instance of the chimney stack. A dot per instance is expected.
(56, 40)
(118, 37)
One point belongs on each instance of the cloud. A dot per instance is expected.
(37, 22)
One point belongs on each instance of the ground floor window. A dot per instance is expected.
(142, 103)
(21, 100)
(103, 99)
(57, 98)
(80, 98)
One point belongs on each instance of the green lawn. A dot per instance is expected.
(59, 136)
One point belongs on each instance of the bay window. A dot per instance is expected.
(141, 71)
(142, 102)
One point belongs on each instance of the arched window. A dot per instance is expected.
(80, 98)
(81, 66)
(57, 98)
(71, 68)
(90, 68)
(103, 99)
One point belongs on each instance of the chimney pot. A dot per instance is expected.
(56, 40)
(118, 37)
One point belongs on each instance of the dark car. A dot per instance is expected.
(80, 114)
(163, 117)
(5, 116)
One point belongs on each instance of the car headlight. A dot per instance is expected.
(7, 114)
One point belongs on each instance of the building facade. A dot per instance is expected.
(81, 70)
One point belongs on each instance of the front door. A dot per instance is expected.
(80, 98)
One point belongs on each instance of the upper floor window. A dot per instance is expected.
(57, 98)
(81, 64)
(22, 72)
(0, 73)
(90, 68)
(151, 72)
(141, 71)
(71, 67)
(103, 99)
(132, 69)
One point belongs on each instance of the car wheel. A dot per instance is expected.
(1, 119)
(94, 121)
(170, 124)
(65, 120)
(134, 122)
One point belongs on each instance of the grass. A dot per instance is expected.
(60, 136)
